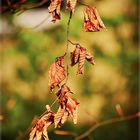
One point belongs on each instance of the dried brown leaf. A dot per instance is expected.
(90, 58)
(58, 116)
(63, 90)
(79, 55)
(65, 117)
(38, 135)
(72, 107)
(75, 56)
(61, 115)
(54, 8)
(57, 72)
(32, 133)
(45, 132)
(71, 4)
(92, 20)
(81, 62)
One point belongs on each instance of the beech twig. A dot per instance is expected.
(110, 121)
(43, 21)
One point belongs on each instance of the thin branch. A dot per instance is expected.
(43, 21)
(67, 47)
(32, 6)
(110, 121)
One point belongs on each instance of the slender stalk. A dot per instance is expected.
(67, 46)
(110, 121)
(32, 6)
(43, 21)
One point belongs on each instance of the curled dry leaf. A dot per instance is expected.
(71, 4)
(65, 117)
(75, 56)
(45, 133)
(72, 108)
(78, 56)
(67, 106)
(39, 130)
(56, 72)
(58, 116)
(82, 57)
(63, 90)
(90, 58)
(54, 8)
(61, 115)
(92, 20)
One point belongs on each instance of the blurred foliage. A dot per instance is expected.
(26, 56)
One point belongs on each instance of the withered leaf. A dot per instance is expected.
(68, 106)
(72, 108)
(81, 62)
(57, 72)
(78, 56)
(75, 56)
(54, 8)
(92, 20)
(61, 115)
(65, 116)
(38, 135)
(45, 133)
(71, 4)
(32, 133)
(90, 58)
(63, 90)
(58, 116)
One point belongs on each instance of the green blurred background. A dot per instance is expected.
(27, 53)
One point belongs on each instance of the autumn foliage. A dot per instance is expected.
(78, 56)
(92, 20)
(58, 74)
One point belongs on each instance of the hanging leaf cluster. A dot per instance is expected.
(39, 129)
(67, 107)
(58, 76)
(92, 19)
(55, 5)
